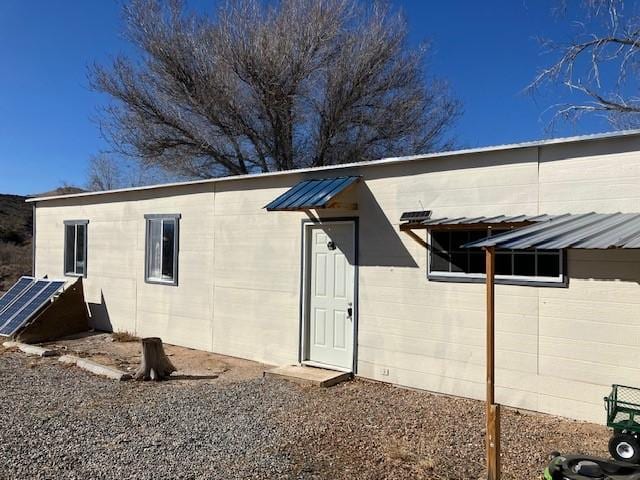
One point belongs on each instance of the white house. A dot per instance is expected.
(326, 276)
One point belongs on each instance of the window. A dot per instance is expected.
(448, 261)
(75, 247)
(161, 264)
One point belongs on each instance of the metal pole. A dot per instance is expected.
(493, 410)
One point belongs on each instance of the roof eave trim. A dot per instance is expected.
(384, 161)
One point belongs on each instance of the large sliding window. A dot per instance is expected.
(448, 261)
(161, 263)
(75, 247)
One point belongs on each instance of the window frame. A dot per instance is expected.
(75, 223)
(175, 217)
(462, 277)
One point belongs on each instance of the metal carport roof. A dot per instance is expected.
(586, 230)
(480, 220)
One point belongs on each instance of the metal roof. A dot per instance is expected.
(481, 220)
(308, 194)
(587, 230)
(383, 161)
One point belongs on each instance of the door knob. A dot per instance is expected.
(350, 310)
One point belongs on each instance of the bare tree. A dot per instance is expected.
(271, 85)
(108, 172)
(104, 173)
(600, 64)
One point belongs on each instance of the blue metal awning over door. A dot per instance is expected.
(312, 194)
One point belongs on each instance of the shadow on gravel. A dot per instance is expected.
(192, 377)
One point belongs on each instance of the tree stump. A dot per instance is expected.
(155, 363)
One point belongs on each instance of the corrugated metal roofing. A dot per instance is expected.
(443, 221)
(587, 230)
(309, 194)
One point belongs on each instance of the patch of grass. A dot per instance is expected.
(410, 453)
(124, 337)
(427, 464)
(400, 452)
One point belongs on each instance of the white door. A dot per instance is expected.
(331, 286)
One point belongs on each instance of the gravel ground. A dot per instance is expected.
(63, 423)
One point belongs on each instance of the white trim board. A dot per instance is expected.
(384, 161)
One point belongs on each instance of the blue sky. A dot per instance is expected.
(487, 51)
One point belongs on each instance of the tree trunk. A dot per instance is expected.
(155, 364)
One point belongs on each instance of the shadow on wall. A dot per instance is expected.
(100, 319)
(380, 243)
(615, 265)
(592, 149)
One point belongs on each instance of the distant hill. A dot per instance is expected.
(15, 219)
(15, 239)
(59, 191)
(16, 229)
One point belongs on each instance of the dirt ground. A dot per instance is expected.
(125, 355)
(222, 419)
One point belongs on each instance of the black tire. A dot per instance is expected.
(625, 447)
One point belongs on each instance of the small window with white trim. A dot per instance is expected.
(448, 261)
(161, 251)
(75, 248)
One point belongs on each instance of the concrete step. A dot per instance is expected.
(95, 368)
(309, 375)
(31, 349)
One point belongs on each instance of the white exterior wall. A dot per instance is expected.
(118, 296)
(558, 349)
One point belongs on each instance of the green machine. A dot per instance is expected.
(583, 467)
(623, 406)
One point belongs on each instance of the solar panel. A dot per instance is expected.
(30, 302)
(21, 301)
(415, 216)
(15, 291)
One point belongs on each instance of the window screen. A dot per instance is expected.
(162, 249)
(75, 247)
